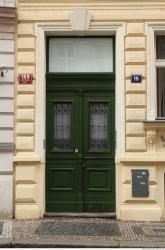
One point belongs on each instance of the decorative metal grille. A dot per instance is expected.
(98, 123)
(62, 126)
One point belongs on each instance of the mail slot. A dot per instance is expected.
(140, 183)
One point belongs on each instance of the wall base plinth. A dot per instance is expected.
(27, 212)
(141, 212)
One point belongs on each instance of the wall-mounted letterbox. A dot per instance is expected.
(140, 183)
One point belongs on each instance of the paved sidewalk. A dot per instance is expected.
(81, 232)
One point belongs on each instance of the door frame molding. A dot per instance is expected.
(64, 29)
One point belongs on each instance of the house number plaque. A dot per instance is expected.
(136, 78)
(25, 78)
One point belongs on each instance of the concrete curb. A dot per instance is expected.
(45, 243)
(141, 244)
(42, 243)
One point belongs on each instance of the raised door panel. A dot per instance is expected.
(99, 186)
(64, 187)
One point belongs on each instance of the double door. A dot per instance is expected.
(80, 148)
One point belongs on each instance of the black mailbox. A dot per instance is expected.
(140, 183)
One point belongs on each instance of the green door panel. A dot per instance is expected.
(99, 182)
(63, 184)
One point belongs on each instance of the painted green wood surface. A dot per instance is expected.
(82, 181)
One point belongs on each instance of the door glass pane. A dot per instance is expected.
(98, 126)
(160, 47)
(62, 126)
(161, 92)
(80, 55)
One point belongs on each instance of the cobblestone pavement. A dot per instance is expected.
(105, 229)
(63, 228)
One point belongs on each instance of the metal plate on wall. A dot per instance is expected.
(140, 183)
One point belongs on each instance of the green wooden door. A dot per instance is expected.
(80, 145)
(63, 170)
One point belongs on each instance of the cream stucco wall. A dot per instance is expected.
(140, 151)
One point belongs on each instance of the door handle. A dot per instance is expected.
(84, 165)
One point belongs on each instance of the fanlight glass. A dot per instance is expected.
(80, 55)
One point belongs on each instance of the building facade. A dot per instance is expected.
(90, 108)
(7, 29)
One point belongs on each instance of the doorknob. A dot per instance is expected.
(84, 165)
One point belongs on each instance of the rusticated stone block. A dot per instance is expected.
(135, 100)
(135, 114)
(26, 174)
(131, 87)
(25, 143)
(25, 100)
(6, 136)
(28, 211)
(26, 28)
(26, 43)
(26, 193)
(23, 128)
(25, 69)
(25, 114)
(135, 28)
(26, 57)
(6, 105)
(26, 88)
(135, 42)
(134, 144)
(140, 212)
(135, 57)
(135, 69)
(135, 128)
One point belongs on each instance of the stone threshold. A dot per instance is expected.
(81, 215)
